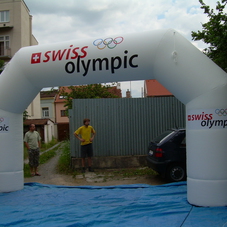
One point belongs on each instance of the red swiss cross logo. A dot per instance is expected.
(36, 58)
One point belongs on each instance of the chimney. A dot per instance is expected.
(128, 94)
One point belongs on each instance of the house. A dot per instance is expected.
(15, 33)
(15, 28)
(62, 119)
(47, 102)
(152, 88)
(116, 90)
(45, 127)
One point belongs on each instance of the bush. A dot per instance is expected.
(64, 163)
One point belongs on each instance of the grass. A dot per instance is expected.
(128, 172)
(132, 172)
(47, 156)
(64, 165)
(44, 156)
(64, 162)
(26, 170)
(44, 147)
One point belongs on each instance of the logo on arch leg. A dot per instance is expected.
(36, 58)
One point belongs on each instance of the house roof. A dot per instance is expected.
(154, 88)
(48, 94)
(37, 121)
(116, 91)
(60, 98)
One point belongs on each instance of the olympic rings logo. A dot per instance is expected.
(1, 119)
(221, 112)
(108, 42)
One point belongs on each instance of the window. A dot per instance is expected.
(63, 113)
(4, 45)
(45, 112)
(4, 16)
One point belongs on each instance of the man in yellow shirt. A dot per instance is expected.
(86, 134)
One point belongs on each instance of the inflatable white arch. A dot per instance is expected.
(163, 55)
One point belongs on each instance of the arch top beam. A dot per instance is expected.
(163, 55)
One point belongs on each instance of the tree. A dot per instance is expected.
(214, 33)
(85, 92)
(25, 115)
(2, 63)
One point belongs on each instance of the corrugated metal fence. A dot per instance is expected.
(125, 126)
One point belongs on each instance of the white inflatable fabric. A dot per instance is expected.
(163, 55)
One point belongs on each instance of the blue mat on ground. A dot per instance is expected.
(124, 205)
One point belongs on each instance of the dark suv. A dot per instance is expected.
(167, 155)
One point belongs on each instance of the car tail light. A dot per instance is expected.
(159, 153)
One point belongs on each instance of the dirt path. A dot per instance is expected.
(50, 176)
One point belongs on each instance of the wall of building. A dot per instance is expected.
(21, 21)
(49, 131)
(48, 103)
(58, 108)
(34, 110)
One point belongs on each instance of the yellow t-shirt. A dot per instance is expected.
(85, 133)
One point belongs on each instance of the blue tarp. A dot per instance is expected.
(124, 205)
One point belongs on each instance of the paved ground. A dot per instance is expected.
(98, 178)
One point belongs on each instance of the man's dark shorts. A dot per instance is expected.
(87, 150)
(33, 157)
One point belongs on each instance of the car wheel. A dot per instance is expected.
(176, 172)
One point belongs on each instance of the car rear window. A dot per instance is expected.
(164, 135)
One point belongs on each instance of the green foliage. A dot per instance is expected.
(44, 157)
(90, 91)
(27, 170)
(25, 115)
(110, 174)
(47, 156)
(1, 66)
(46, 146)
(25, 153)
(214, 33)
(64, 165)
(64, 162)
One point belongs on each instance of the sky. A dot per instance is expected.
(58, 21)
